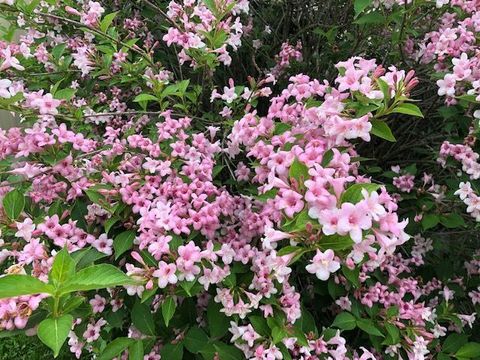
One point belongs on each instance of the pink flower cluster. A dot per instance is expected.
(193, 20)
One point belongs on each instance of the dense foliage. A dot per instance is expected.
(178, 191)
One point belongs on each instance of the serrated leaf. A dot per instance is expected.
(382, 130)
(142, 319)
(345, 321)
(97, 277)
(408, 109)
(65, 94)
(327, 157)
(63, 267)
(54, 332)
(13, 204)
(196, 340)
(123, 242)
(115, 348)
(18, 285)
(260, 325)
(218, 322)
(135, 351)
(228, 352)
(110, 222)
(336, 242)
(107, 21)
(369, 327)
(145, 97)
(172, 351)
(374, 17)
(452, 221)
(360, 5)
(298, 171)
(454, 342)
(354, 192)
(168, 309)
(469, 350)
(429, 221)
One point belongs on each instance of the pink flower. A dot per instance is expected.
(352, 220)
(5, 89)
(92, 332)
(290, 201)
(188, 255)
(103, 244)
(34, 250)
(98, 304)
(447, 85)
(165, 274)
(25, 229)
(46, 104)
(323, 264)
(328, 219)
(160, 247)
(10, 61)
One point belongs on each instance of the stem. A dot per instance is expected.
(56, 303)
(95, 31)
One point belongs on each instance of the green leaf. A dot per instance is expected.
(110, 222)
(17, 285)
(218, 323)
(58, 51)
(211, 5)
(142, 319)
(135, 351)
(281, 127)
(345, 321)
(270, 194)
(360, 5)
(65, 94)
(278, 334)
(298, 171)
(385, 88)
(452, 221)
(393, 334)
(352, 275)
(381, 129)
(168, 309)
(72, 303)
(374, 17)
(430, 221)
(354, 193)
(95, 197)
(123, 242)
(196, 340)
(260, 325)
(86, 257)
(13, 204)
(454, 342)
(228, 352)
(469, 350)
(172, 351)
(288, 250)
(63, 267)
(115, 348)
(336, 242)
(408, 109)
(97, 277)
(327, 157)
(369, 327)
(107, 21)
(145, 97)
(54, 332)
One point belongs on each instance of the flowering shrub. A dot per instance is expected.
(159, 203)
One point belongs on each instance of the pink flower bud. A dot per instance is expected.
(72, 11)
